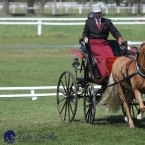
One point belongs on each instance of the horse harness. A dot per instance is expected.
(127, 78)
(127, 81)
(139, 70)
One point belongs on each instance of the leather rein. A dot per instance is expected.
(138, 66)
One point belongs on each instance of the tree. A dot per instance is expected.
(42, 3)
(5, 10)
(138, 6)
(31, 4)
(117, 2)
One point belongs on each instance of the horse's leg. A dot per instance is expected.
(126, 105)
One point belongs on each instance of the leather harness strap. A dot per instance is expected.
(127, 75)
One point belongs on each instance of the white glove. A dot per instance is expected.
(120, 40)
(86, 39)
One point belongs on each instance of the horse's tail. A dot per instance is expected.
(111, 97)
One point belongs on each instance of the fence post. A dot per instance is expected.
(106, 9)
(66, 8)
(143, 8)
(13, 9)
(53, 10)
(39, 27)
(133, 9)
(118, 10)
(80, 9)
(34, 97)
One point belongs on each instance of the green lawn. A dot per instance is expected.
(35, 121)
(58, 35)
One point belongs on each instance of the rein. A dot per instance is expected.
(120, 81)
(138, 65)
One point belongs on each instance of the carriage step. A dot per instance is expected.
(82, 80)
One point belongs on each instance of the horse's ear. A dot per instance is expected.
(143, 43)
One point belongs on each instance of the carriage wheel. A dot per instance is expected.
(134, 109)
(89, 104)
(67, 96)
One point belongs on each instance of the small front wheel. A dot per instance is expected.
(89, 104)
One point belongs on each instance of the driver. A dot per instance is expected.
(96, 32)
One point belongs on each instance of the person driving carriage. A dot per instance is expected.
(95, 34)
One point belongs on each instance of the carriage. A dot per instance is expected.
(70, 88)
(124, 80)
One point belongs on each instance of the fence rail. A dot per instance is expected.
(33, 95)
(66, 21)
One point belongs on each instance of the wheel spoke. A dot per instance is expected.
(62, 92)
(88, 115)
(63, 86)
(65, 80)
(65, 111)
(63, 107)
(68, 81)
(71, 108)
(61, 100)
(71, 88)
(72, 101)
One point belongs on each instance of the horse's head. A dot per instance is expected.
(143, 43)
(140, 60)
(142, 46)
(142, 51)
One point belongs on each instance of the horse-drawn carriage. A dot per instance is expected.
(70, 88)
(124, 78)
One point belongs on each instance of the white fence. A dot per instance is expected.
(67, 21)
(72, 5)
(32, 95)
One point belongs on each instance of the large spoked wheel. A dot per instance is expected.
(67, 96)
(89, 104)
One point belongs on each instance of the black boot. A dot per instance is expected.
(96, 72)
(104, 84)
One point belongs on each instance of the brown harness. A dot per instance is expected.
(127, 67)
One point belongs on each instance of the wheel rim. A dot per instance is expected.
(89, 104)
(66, 97)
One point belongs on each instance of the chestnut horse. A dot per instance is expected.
(128, 77)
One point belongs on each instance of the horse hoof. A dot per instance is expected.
(132, 127)
(125, 118)
(139, 116)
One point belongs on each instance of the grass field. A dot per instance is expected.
(38, 122)
(21, 35)
(34, 121)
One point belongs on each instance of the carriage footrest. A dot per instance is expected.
(81, 80)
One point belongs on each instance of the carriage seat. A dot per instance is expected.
(94, 71)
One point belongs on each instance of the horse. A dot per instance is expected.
(126, 82)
